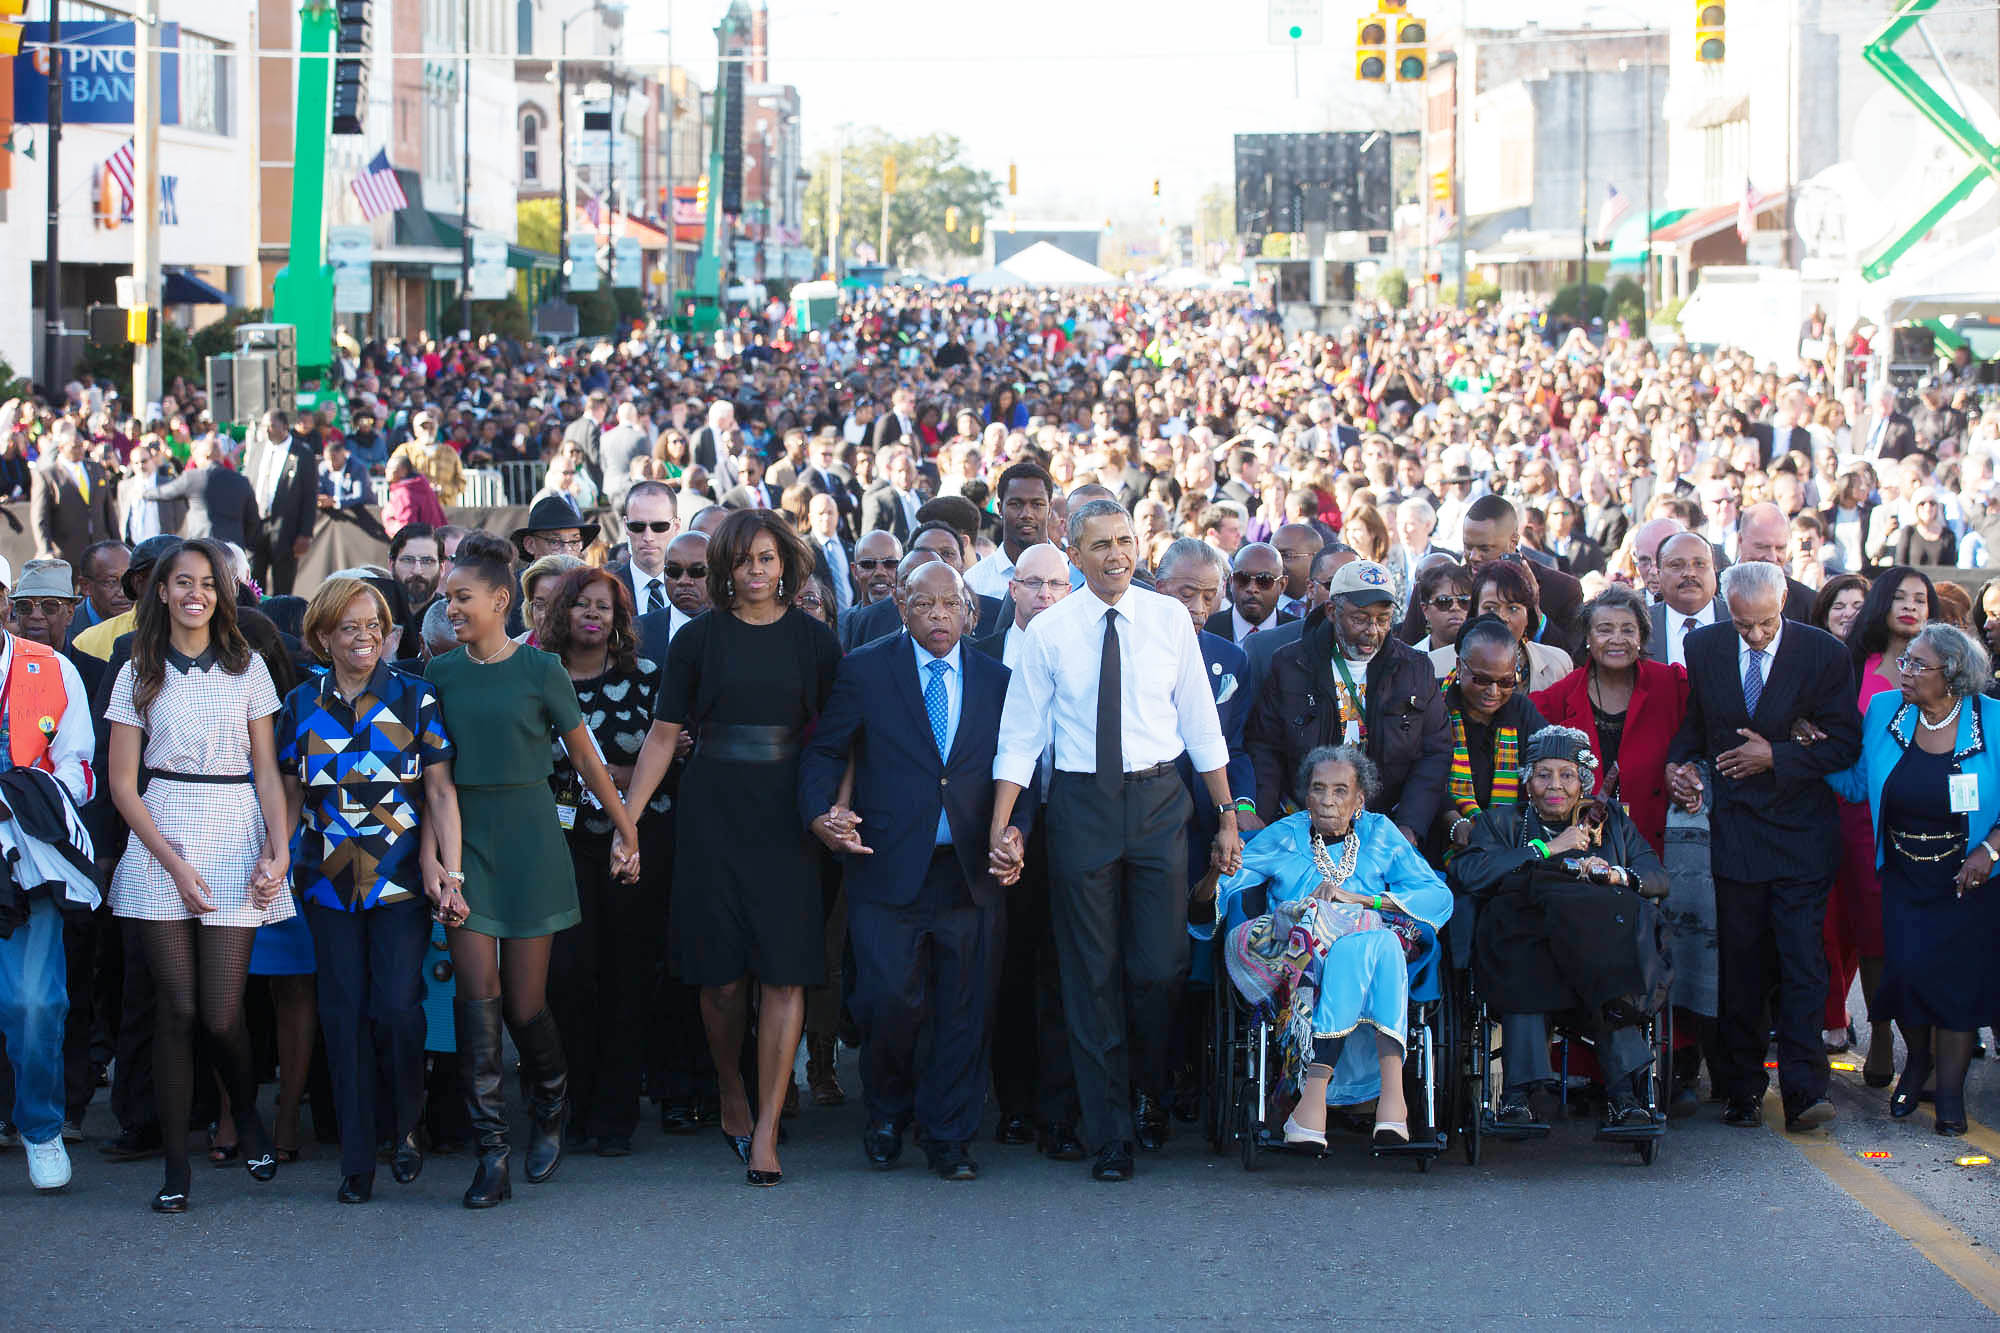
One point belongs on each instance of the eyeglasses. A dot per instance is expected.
(1910, 666)
(1036, 587)
(810, 601)
(661, 525)
(1243, 579)
(884, 563)
(416, 562)
(1450, 601)
(574, 543)
(48, 607)
(686, 571)
(1490, 682)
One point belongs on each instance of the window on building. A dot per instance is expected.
(524, 23)
(531, 146)
(204, 87)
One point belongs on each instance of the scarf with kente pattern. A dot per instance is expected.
(1506, 768)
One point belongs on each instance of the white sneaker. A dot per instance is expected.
(48, 1164)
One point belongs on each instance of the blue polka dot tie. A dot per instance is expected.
(935, 703)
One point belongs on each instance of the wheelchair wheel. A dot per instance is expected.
(1424, 1165)
(1247, 1122)
(1477, 1068)
(1648, 1150)
(1448, 1064)
(1216, 1105)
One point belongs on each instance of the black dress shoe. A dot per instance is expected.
(1684, 1103)
(356, 1189)
(1909, 1090)
(170, 1201)
(614, 1145)
(1743, 1113)
(882, 1143)
(1623, 1115)
(408, 1162)
(1015, 1129)
(263, 1168)
(764, 1178)
(1059, 1143)
(1114, 1162)
(678, 1117)
(133, 1145)
(1513, 1109)
(1149, 1119)
(952, 1162)
(740, 1144)
(1812, 1115)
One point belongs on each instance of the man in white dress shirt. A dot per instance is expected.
(1115, 679)
(1687, 596)
(1025, 493)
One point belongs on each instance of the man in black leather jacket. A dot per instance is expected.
(1306, 701)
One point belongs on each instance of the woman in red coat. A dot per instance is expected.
(1629, 705)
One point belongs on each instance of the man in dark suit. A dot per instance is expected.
(1190, 571)
(140, 514)
(651, 515)
(1257, 583)
(1764, 533)
(899, 424)
(825, 473)
(1576, 554)
(284, 470)
(217, 501)
(587, 434)
(1033, 1079)
(832, 560)
(892, 504)
(70, 499)
(1688, 600)
(920, 718)
(1774, 832)
(1491, 530)
(751, 492)
(1888, 434)
(934, 541)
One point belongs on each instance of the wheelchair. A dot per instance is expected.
(1241, 1063)
(1478, 1091)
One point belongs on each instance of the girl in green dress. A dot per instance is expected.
(509, 701)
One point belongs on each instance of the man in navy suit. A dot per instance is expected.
(934, 541)
(1773, 829)
(920, 718)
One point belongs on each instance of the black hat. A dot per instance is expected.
(144, 556)
(552, 513)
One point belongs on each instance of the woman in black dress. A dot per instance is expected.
(747, 678)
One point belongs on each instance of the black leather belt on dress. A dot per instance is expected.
(747, 745)
(1133, 775)
(165, 776)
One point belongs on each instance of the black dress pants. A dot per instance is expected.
(598, 975)
(923, 999)
(1118, 901)
(370, 980)
(678, 1065)
(1768, 935)
(1032, 1073)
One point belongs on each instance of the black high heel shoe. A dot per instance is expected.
(170, 1201)
(741, 1144)
(756, 1177)
(1951, 1116)
(1903, 1103)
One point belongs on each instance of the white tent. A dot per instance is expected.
(1184, 279)
(1963, 281)
(1041, 265)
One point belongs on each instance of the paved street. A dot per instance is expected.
(1729, 1227)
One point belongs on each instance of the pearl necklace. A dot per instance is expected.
(1942, 722)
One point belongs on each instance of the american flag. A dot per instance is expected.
(1611, 212)
(1746, 212)
(377, 190)
(120, 165)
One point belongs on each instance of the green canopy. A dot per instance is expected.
(1628, 243)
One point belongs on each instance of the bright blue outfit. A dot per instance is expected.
(1364, 977)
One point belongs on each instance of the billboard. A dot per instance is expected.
(98, 67)
(1287, 182)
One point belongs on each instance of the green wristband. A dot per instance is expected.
(1541, 848)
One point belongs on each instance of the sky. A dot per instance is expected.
(1092, 99)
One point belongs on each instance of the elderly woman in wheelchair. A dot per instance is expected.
(1567, 923)
(1351, 903)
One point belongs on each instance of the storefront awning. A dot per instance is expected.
(184, 288)
(448, 235)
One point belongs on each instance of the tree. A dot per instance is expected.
(931, 177)
(1392, 288)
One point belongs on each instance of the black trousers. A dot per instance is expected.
(1118, 902)
(1768, 935)
(598, 973)
(133, 1100)
(1032, 1072)
(371, 1006)
(678, 1065)
(924, 973)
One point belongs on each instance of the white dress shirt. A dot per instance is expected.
(643, 584)
(1240, 629)
(836, 565)
(954, 697)
(908, 500)
(1165, 704)
(1770, 653)
(990, 577)
(677, 620)
(1678, 629)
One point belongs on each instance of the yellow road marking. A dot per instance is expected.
(1983, 1137)
(1953, 1252)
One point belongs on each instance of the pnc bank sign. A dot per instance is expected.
(97, 64)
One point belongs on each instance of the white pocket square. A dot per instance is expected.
(1225, 689)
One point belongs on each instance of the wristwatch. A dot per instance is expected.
(1226, 809)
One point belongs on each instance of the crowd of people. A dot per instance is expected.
(932, 682)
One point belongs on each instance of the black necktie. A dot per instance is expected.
(654, 598)
(1110, 716)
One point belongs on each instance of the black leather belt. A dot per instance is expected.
(1134, 775)
(162, 775)
(747, 745)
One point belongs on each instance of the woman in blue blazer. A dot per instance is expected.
(1930, 772)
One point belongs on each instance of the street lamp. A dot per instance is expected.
(562, 133)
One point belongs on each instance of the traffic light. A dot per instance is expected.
(142, 326)
(106, 325)
(350, 68)
(701, 194)
(10, 33)
(1156, 187)
(1710, 18)
(973, 236)
(1013, 179)
(951, 217)
(1412, 50)
(888, 175)
(1371, 54)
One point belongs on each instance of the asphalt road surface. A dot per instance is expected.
(1730, 1226)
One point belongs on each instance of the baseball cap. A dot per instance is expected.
(1361, 581)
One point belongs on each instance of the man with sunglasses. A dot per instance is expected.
(652, 517)
(1256, 582)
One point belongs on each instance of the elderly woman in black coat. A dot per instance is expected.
(1567, 924)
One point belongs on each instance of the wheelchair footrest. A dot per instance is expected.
(1494, 1129)
(1636, 1134)
(1420, 1146)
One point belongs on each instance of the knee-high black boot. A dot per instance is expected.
(477, 1023)
(545, 1083)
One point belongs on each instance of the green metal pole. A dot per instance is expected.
(302, 293)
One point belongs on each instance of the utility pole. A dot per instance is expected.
(1583, 190)
(882, 251)
(52, 320)
(562, 154)
(1461, 72)
(833, 204)
(1646, 287)
(465, 178)
(146, 203)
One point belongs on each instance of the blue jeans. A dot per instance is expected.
(34, 1002)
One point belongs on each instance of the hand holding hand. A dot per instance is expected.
(625, 857)
(1007, 857)
(1684, 785)
(1228, 849)
(839, 830)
